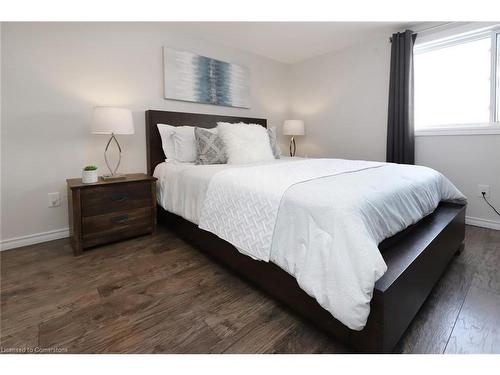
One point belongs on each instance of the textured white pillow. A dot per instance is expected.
(245, 143)
(184, 144)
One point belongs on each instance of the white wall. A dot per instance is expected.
(467, 161)
(54, 73)
(342, 97)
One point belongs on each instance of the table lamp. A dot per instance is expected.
(293, 128)
(114, 121)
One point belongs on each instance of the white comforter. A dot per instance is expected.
(322, 220)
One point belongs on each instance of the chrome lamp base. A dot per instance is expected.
(293, 147)
(113, 175)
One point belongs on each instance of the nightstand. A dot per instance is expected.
(110, 210)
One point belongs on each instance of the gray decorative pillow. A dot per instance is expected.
(210, 147)
(274, 144)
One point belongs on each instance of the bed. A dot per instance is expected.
(415, 257)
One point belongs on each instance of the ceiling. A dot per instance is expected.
(288, 42)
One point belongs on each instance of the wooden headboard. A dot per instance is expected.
(155, 153)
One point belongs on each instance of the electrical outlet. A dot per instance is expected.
(483, 188)
(54, 199)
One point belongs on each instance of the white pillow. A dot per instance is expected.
(184, 144)
(167, 142)
(178, 142)
(245, 143)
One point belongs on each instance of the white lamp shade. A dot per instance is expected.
(107, 120)
(294, 127)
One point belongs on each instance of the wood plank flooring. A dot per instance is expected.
(156, 294)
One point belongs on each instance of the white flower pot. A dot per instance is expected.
(89, 177)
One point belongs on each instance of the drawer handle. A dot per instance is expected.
(120, 219)
(119, 197)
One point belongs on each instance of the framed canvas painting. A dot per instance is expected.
(194, 78)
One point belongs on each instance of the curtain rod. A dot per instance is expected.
(433, 27)
(428, 28)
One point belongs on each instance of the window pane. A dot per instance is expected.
(452, 85)
(497, 118)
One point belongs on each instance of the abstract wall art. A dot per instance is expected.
(194, 78)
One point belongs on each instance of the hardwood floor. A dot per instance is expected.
(156, 294)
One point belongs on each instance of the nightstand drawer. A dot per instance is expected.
(116, 225)
(106, 199)
(116, 221)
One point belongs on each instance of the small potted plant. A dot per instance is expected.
(89, 174)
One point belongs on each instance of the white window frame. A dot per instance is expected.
(493, 126)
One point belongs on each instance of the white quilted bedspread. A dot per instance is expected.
(241, 204)
(321, 220)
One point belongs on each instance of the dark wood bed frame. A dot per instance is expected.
(416, 258)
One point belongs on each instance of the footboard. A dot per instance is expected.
(415, 263)
(416, 259)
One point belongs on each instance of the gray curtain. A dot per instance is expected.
(400, 137)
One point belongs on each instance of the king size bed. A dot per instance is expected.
(298, 230)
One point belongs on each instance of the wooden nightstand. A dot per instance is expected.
(109, 211)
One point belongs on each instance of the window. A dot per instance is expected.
(457, 83)
(497, 69)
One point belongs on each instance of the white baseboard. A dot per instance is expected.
(31, 239)
(484, 223)
(57, 234)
